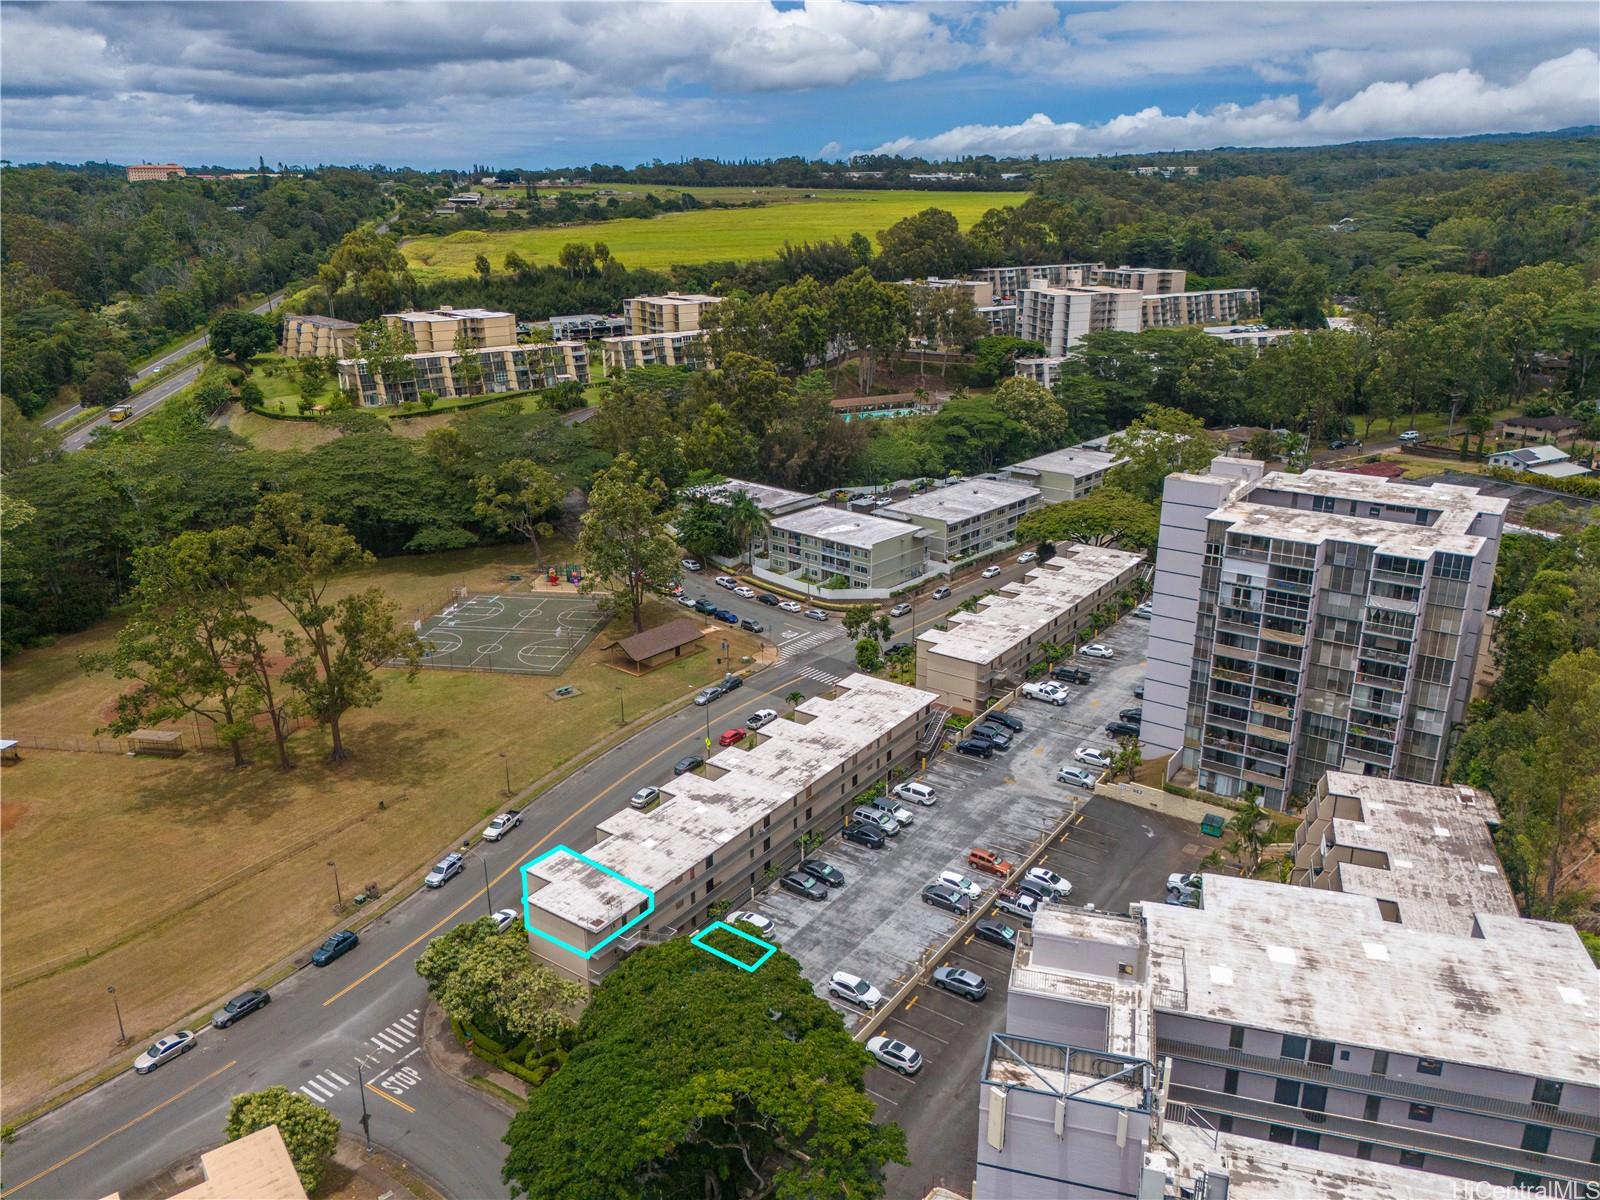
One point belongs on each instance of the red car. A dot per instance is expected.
(731, 737)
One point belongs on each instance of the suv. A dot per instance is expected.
(876, 816)
(1132, 715)
(1070, 675)
(942, 592)
(900, 610)
(444, 871)
(751, 626)
(888, 804)
(942, 895)
(962, 982)
(1411, 435)
(977, 747)
(703, 605)
(865, 833)
(1123, 729)
(998, 734)
(855, 990)
(917, 793)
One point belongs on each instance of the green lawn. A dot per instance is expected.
(714, 235)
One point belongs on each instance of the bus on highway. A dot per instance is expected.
(120, 412)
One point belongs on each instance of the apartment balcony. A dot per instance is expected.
(1289, 588)
(1382, 708)
(1268, 732)
(1359, 756)
(1231, 676)
(1271, 710)
(1262, 779)
(1389, 604)
(1287, 636)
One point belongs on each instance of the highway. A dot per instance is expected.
(366, 1007)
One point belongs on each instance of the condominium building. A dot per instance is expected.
(437, 329)
(306, 336)
(867, 552)
(1198, 308)
(716, 836)
(1061, 475)
(154, 172)
(1149, 281)
(772, 501)
(986, 653)
(1000, 320)
(1044, 371)
(1314, 622)
(1007, 282)
(501, 369)
(1059, 317)
(967, 518)
(690, 348)
(979, 291)
(1247, 335)
(585, 327)
(676, 312)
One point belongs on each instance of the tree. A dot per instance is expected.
(238, 335)
(737, 1083)
(384, 347)
(1246, 825)
(745, 521)
(1045, 422)
(872, 317)
(490, 981)
(624, 545)
(335, 646)
(481, 266)
(858, 618)
(310, 1132)
(1127, 760)
(1161, 442)
(793, 700)
(928, 243)
(467, 369)
(716, 443)
(518, 497)
(1107, 514)
(869, 655)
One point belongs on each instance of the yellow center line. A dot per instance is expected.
(514, 867)
(376, 1091)
(149, 1112)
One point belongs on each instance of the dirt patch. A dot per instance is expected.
(11, 813)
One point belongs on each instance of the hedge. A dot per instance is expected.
(1587, 486)
(527, 1060)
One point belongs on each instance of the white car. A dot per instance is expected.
(746, 593)
(897, 1056)
(505, 919)
(1027, 556)
(1077, 777)
(967, 887)
(686, 601)
(816, 614)
(1411, 435)
(163, 1051)
(1097, 650)
(1181, 882)
(791, 606)
(900, 610)
(727, 581)
(854, 990)
(690, 564)
(644, 797)
(764, 926)
(1051, 880)
(990, 572)
(1050, 693)
(1094, 757)
(917, 793)
(1144, 612)
(502, 825)
(761, 717)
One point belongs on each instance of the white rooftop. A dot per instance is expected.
(679, 298)
(1559, 470)
(770, 500)
(667, 335)
(847, 528)
(1045, 965)
(1262, 1170)
(1023, 608)
(1520, 997)
(1076, 461)
(959, 501)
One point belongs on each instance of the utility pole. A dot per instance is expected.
(337, 891)
(122, 1036)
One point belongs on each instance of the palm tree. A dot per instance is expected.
(792, 700)
(1248, 838)
(745, 520)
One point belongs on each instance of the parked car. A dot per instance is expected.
(732, 737)
(502, 825)
(990, 862)
(1135, 715)
(164, 1051)
(749, 625)
(1027, 556)
(1138, 691)
(769, 599)
(761, 717)
(969, 888)
(686, 601)
(1092, 755)
(961, 982)
(942, 895)
(731, 683)
(803, 885)
(690, 564)
(727, 581)
(1182, 882)
(241, 1006)
(644, 797)
(854, 990)
(1050, 693)
(865, 833)
(1014, 903)
(1001, 717)
(687, 763)
(727, 616)
(1411, 435)
(903, 816)
(1051, 880)
(917, 793)
(942, 592)
(997, 734)
(764, 926)
(884, 821)
(706, 695)
(1097, 650)
(340, 943)
(816, 614)
(1077, 777)
(990, 572)
(446, 869)
(895, 1055)
(1144, 611)
(1071, 675)
(745, 592)
(1040, 894)
(976, 747)
(790, 606)
(505, 918)
(1122, 729)
(996, 933)
(826, 872)
(702, 605)
(900, 610)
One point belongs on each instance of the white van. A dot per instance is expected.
(917, 793)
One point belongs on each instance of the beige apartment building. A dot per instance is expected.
(1062, 475)
(676, 312)
(437, 330)
(714, 836)
(1058, 318)
(690, 348)
(155, 172)
(967, 518)
(1046, 371)
(1198, 308)
(502, 369)
(307, 336)
(867, 551)
(1148, 281)
(979, 291)
(986, 653)
(1006, 282)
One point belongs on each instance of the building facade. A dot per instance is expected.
(676, 312)
(311, 336)
(867, 552)
(501, 369)
(967, 518)
(1000, 320)
(1314, 622)
(1059, 317)
(1198, 308)
(1247, 335)
(688, 349)
(155, 172)
(1044, 371)
(585, 327)
(1148, 281)
(437, 330)
(1062, 475)
(1007, 282)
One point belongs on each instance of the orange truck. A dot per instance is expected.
(990, 862)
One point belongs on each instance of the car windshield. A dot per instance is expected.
(862, 987)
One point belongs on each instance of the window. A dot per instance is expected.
(1294, 1047)
(1413, 1158)
(1286, 1092)
(1380, 1062)
(1230, 1082)
(1370, 1112)
(1225, 1123)
(1364, 1150)
(1281, 1134)
(1236, 1042)
(1314, 1098)
(1547, 1091)
(1322, 1053)
(1536, 1138)
(1429, 1066)
(1421, 1112)
(1307, 1140)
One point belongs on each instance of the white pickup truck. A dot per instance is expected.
(502, 825)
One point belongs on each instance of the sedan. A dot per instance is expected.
(340, 943)
(241, 1006)
(1050, 693)
(1144, 612)
(865, 833)
(1038, 892)
(790, 606)
(764, 926)
(505, 918)
(854, 989)
(990, 572)
(816, 614)
(803, 885)
(727, 581)
(1027, 556)
(744, 592)
(1136, 715)
(732, 737)
(961, 982)
(967, 887)
(826, 872)
(1000, 717)
(897, 1056)
(942, 895)
(727, 616)
(768, 598)
(1093, 756)
(900, 610)
(996, 933)
(644, 797)
(1077, 777)
(1097, 650)
(1051, 880)
(702, 605)
(446, 869)
(690, 564)
(686, 601)
(761, 717)
(706, 695)
(167, 1049)
(687, 763)
(1123, 729)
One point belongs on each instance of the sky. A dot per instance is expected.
(616, 81)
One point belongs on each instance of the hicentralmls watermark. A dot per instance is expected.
(1551, 1189)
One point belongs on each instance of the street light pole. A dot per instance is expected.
(366, 1118)
(506, 763)
(122, 1035)
(487, 903)
(622, 705)
(337, 891)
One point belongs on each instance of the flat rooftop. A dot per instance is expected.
(679, 298)
(847, 528)
(1023, 608)
(427, 355)
(1262, 1170)
(1442, 866)
(1057, 1069)
(449, 314)
(699, 816)
(961, 501)
(1520, 997)
(666, 335)
(770, 500)
(1041, 967)
(1076, 461)
(325, 322)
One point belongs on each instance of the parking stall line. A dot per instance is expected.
(924, 1032)
(937, 1013)
(881, 1097)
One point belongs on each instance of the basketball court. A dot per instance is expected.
(523, 634)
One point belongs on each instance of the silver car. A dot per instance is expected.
(164, 1051)
(895, 1055)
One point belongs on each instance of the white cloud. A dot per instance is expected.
(1555, 93)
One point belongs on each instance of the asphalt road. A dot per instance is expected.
(156, 394)
(366, 1007)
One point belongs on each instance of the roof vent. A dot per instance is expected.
(1376, 951)
(1281, 954)
(1222, 976)
(1572, 996)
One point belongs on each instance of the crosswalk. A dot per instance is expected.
(321, 1088)
(821, 677)
(393, 1039)
(810, 641)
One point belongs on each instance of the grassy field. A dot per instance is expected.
(178, 880)
(714, 235)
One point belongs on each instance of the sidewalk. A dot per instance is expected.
(439, 1047)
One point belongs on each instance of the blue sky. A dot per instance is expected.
(543, 84)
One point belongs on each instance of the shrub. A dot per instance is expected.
(310, 1132)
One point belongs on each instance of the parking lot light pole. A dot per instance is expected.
(337, 891)
(122, 1035)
